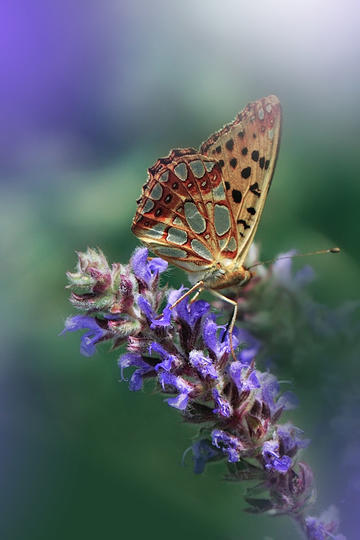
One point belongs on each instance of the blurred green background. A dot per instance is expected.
(92, 94)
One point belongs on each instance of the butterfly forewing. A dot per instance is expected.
(183, 213)
(246, 151)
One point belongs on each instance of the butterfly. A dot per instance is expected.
(199, 210)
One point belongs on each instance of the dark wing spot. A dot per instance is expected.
(245, 173)
(236, 195)
(168, 198)
(138, 201)
(262, 162)
(255, 155)
(254, 135)
(241, 134)
(251, 210)
(243, 222)
(233, 162)
(244, 151)
(267, 163)
(221, 163)
(218, 149)
(254, 188)
(227, 185)
(158, 212)
(229, 144)
(175, 185)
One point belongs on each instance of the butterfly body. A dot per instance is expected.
(200, 209)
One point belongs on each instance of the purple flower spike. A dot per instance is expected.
(203, 364)
(153, 318)
(229, 444)
(179, 402)
(146, 270)
(272, 459)
(136, 380)
(223, 407)
(90, 338)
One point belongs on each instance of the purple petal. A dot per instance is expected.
(155, 320)
(273, 461)
(280, 464)
(162, 320)
(145, 307)
(136, 379)
(88, 340)
(188, 312)
(144, 269)
(291, 438)
(79, 322)
(281, 268)
(223, 407)
(168, 359)
(304, 276)
(203, 452)
(235, 370)
(203, 364)
(287, 401)
(252, 381)
(184, 388)
(269, 389)
(179, 402)
(157, 265)
(229, 444)
(139, 263)
(215, 342)
(209, 333)
(325, 526)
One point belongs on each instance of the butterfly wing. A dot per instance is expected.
(183, 213)
(246, 151)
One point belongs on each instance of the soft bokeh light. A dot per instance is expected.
(92, 94)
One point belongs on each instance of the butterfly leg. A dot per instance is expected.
(232, 320)
(192, 300)
(198, 286)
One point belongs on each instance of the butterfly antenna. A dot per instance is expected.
(319, 252)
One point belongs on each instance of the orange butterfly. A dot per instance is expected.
(200, 210)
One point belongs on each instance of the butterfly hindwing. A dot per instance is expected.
(183, 213)
(246, 151)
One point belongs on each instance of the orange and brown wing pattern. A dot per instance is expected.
(183, 213)
(246, 151)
